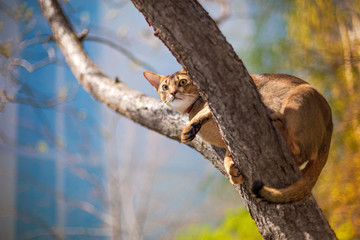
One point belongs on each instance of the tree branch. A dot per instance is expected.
(215, 67)
(142, 109)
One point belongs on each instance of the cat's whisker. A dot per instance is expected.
(189, 94)
(169, 99)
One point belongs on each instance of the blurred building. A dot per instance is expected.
(50, 153)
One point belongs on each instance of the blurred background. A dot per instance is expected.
(70, 168)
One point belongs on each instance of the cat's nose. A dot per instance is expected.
(173, 93)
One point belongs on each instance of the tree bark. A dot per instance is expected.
(196, 42)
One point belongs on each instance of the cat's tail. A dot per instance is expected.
(296, 191)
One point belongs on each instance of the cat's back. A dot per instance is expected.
(276, 81)
(275, 87)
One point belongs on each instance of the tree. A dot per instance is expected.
(239, 120)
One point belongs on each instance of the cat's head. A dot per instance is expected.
(176, 90)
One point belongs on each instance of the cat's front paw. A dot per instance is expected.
(189, 132)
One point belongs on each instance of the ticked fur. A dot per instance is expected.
(178, 91)
(300, 113)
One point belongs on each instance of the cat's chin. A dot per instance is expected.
(182, 105)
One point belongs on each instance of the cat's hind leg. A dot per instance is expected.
(233, 172)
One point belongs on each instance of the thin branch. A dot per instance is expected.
(45, 228)
(224, 10)
(83, 36)
(121, 49)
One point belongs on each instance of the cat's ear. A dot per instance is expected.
(182, 71)
(153, 78)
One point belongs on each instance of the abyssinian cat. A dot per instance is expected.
(299, 111)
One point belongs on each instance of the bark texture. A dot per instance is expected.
(196, 42)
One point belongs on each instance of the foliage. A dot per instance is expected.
(327, 46)
(236, 224)
(322, 45)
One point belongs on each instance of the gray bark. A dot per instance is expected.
(196, 42)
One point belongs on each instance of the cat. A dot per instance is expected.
(301, 113)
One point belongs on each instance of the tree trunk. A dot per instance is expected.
(194, 39)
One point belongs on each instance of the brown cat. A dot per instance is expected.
(300, 112)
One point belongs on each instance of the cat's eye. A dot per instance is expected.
(182, 82)
(165, 87)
